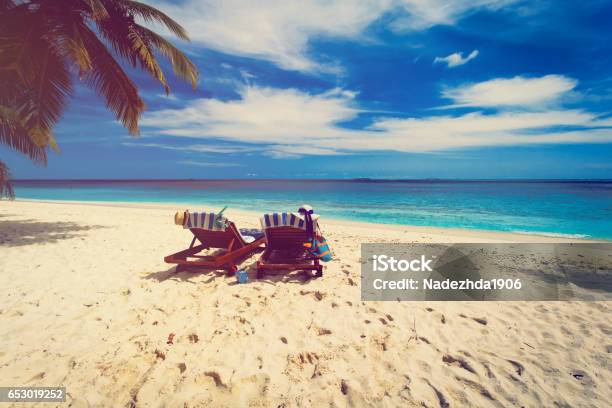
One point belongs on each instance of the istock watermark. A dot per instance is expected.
(573, 271)
(383, 263)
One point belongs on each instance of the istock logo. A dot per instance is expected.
(384, 263)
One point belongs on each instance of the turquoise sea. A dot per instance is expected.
(564, 208)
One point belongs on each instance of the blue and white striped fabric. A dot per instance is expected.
(204, 220)
(284, 219)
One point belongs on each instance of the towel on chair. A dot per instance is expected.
(285, 219)
(205, 221)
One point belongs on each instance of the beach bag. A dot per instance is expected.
(317, 246)
(320, 248)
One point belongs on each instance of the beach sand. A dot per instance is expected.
(88, 303)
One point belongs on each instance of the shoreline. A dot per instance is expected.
(430, 230)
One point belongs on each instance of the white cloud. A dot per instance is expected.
(262, 115)
(422, 14)
(456, 59)
(210, 164)
(295, 151)
(169, 97)
(508, 92)
(289, 123)
(280, 31)
(198, 148)
(278, 151)
(437, 133)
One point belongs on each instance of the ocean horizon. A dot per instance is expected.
(563, 208)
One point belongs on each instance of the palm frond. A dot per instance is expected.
(70, 40)
(97, 8)
(147, 59)
(42, 40)
(6, 189)
(181, 64)
(126, 41)
(39, 86)
(46, 95)
(14, 134)
(17, 26)
(111, 82)
(153, 15)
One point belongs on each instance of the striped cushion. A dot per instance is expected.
(204, 220)
(284, 219)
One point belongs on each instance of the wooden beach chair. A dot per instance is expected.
(285, 250)
(233, 244)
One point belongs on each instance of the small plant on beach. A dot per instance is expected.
(46, 44)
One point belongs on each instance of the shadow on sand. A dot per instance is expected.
(582, 275)
(26, 232)
(186, 275)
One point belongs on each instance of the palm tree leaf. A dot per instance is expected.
(181, 64)
(137, 44)
(46, 94)
(6, 189)
(17, 27)
(74, 45)
(147, 59)
(98, 11)
(111, 82)
(153, 15)
(15, 134)
(40, 39)
(119, 30)
(38, 85)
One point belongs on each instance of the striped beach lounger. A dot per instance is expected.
(285, 250)
(215, 233)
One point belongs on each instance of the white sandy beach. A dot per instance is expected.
(90, 304)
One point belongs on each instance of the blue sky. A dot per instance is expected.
(337, 89)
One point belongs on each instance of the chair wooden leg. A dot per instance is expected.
(265, 254)
(319, 273)
(259, 272)
(319, 268)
